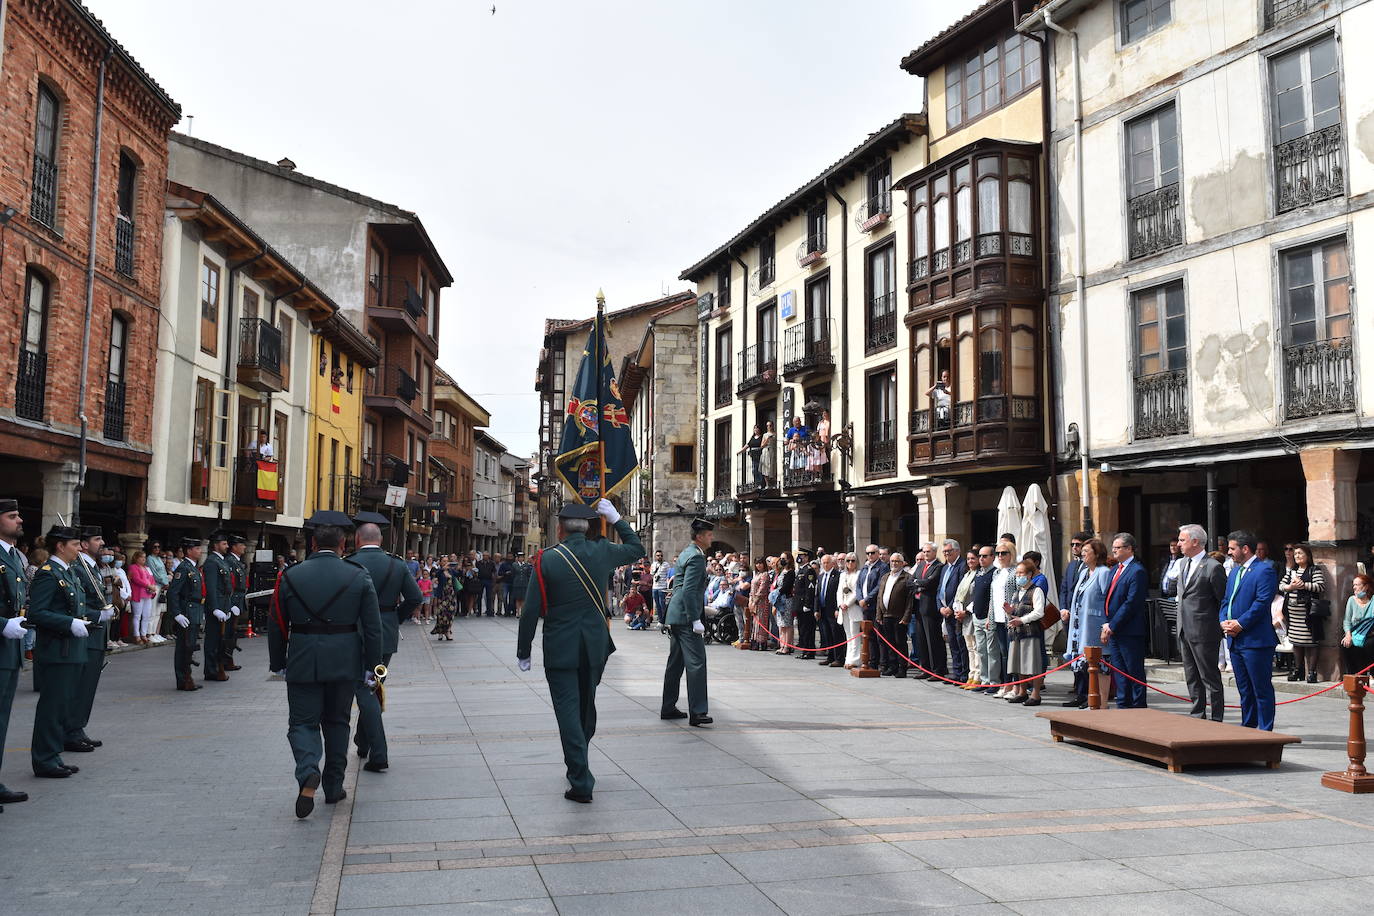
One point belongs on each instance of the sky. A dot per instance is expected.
(552, 148)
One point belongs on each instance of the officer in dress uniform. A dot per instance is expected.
(568, 590)
(98, 611)
(57, 609)
(685, 618)
(398, 596)
(14, 597)
(238, 599)
(326, 632)
(219, 589)
(186, 603)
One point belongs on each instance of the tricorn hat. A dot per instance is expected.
(329, 518)
(237, 539)
(63, 533)
(372, 518)
(188, 543)
(8, 505)
(92, 531)
(701, 524)
(576, 510)
(218, 536)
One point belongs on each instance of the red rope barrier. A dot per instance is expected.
(961, 683)
(822, 649)
(1107, 664)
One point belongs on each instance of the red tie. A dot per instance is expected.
(1119, 568)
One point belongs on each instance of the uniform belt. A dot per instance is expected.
(323, 629)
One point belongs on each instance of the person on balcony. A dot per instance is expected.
(754, 448)
(264, 445)
(819, 455)
(939, 395)
(797, 435)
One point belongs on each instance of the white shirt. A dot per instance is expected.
(849, 584)
(56, 559)
(265, 449)
(1173, 570)
(1000, 575)
(892, 578)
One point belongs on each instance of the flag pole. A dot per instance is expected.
(601, 399)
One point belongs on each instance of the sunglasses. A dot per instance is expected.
(872, 553)
(1004, 553)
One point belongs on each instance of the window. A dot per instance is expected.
(724, 347)
(768, 325)
(369, 442)
(1306, 103)
(963, 214)
(333, 473)
(815, 227)
(939, 195)
(1141, 17)
(432, 309)
(684, 459)
(723, 455)
(881, 410)
(990, 355)
(119, 343)
(31, 381)
(990, 77)
(124, 220)
(319, 467)
(209, 307)
(1152, 145)
(279, 443)
(767, 262)
(880, 325)
(202, 443)
(375, 267)
(723, 288)
(43, 204)
(35, 313)
(880, 188)
(250, 304)
(287, 328)
(1161, 330)
(1316, 293)
(818, 308)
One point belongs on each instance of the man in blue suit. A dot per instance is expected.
(1246, 621)
(870, 574)
(1127, 589)
(1070, 579)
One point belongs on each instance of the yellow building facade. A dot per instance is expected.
(342, 359)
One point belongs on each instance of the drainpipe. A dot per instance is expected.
(844, 343)
(230, 354)
(93, 230)
(1079, 283)
(1212, 501)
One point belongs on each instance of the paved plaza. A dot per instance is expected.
(814, 792)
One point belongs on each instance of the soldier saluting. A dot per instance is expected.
(186, 602)
(326, 633)
(569, 591)
(14, 597)
(57, 610)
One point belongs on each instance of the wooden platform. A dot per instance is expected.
(1174, 740)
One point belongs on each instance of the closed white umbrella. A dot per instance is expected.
(1035, 535)
(1009, 517)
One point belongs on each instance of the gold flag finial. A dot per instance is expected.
(600, 297)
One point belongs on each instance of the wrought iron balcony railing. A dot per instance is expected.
(1277, 12)
(43, 205)
(880, 455)
(722, 472)
(811, 250)
(1309, 168)
(393, 382)
(1319, 378)
(724, 386)
(114, 411)
(764, 275)
(758, 366)
(31, 385)
(1156, 222)
(807, 346)
(873, 212)
(880, 326)
(124, 245)
(396, 293)
(1161, 404)
(804, 477)
(259, 345)
(757, 472)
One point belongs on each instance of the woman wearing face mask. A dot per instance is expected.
(1026, 657)
(1359, 607)
(117, 587)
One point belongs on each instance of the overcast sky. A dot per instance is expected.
(551, 148)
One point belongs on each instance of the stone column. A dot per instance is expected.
(59, 486)
(925, 515)
(801, 526)
(757, 520)
(949, 514)
(861, 509)
(1331, 530)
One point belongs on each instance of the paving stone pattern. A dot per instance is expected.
(814, 792)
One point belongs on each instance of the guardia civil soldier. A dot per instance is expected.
(57, 610)
(219, 589)
(186, 604)
(98, 612)
(14, 596)
(238, 600)
(568, 590)
(398, 596)
(686, 624)
(326, 633)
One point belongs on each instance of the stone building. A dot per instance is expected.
(487, 494)
(84, 142)
(456, 419)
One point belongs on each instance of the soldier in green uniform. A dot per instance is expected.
(57, 609)
(98, 612)
(186, 604)
(327, 632)
(398, 595)
(569, 591)
(685, 619)
(14, 597)
(238, 600)
(219, 588)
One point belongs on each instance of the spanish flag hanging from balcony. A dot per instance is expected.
(595, 457)
(267, 480)
(334, 397)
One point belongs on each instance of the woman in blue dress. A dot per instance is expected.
(1087, 614)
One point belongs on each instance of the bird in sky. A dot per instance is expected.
(493, 9)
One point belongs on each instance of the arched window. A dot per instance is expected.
(990, 352)
(939, 259)
(920, 234)
(124, 219)
(963, 212)
(43, 205)
(1020, 213)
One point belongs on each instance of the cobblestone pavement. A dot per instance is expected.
(814, 792)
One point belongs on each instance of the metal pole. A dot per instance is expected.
(1211, 503)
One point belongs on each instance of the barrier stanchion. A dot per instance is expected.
(1093, 655)
(1356, 779)
(866, 651)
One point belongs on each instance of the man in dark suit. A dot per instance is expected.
(827, 608)
(1246, 621)
(804, 605)
(895, 596)
(326, 632)
(870, 574)
(486, 575)
(951, 574)
(1066, 584)
(1125, 627)
(920, 565)
(1201, 589)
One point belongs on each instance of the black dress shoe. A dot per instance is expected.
(1074, 701)
(1032, 703)
(337, 798)
(1312, 678)
(78, 747)
(54, 773)
(570, 795)
(9, 797)
(305, 799)
(1019, 698)
(94, 743)
(673, 714)
(699, 720)
(1295, 675)
(375, 766)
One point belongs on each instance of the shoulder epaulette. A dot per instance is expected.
(394, 557)
(46, 567)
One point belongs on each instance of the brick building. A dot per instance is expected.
(456, 419)
(83, 133)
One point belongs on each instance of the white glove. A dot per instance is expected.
(14, 628)
(220, 615)
(607, 511)
(369, 679)
(698, 627)
(182, 621)
(106, 614)
(524, 664)
(78, 627)
(234, 610)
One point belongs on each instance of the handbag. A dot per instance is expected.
(1319, 609)
(1359, 633)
